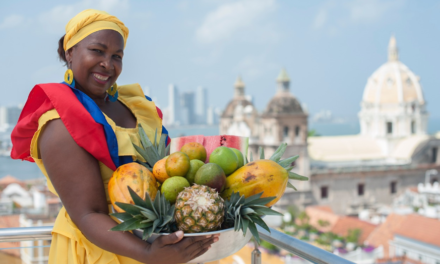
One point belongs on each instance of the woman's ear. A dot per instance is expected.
(69, 57)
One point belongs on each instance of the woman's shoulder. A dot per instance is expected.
(130, 90)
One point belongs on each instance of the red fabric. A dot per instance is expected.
(82, 127)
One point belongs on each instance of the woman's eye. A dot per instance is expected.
(97, 50)
(117, 57)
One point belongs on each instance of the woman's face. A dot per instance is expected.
(96, 62)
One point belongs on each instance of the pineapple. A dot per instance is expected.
(152, 217)
(199, 209)
(152, 152)
(243, 213)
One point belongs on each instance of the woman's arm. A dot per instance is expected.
(76, 177)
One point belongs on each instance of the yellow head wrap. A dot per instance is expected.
(90, 21)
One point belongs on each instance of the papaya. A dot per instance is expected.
(138, 177)
(255, 177)
(270, 176)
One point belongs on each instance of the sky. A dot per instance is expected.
(329, 48)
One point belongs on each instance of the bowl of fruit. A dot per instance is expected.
(205, 186)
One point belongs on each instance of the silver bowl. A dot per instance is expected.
(229, 243)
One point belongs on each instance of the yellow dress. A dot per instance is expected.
(69, 245)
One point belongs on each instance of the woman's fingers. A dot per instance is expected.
(200, 246)
(201, 252)
(173, 238)
(188, 241)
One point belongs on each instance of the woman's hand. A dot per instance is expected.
(174, 248)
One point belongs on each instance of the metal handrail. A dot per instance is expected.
(26, 233)
(275, 237)
(300, 248)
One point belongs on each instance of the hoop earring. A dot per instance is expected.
(113, 93)
(68, 78)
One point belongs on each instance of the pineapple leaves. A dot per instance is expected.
(279, 152)
(257, 220)
(122, 216)
(254, 231)
(245, 213)
(261, 151)
(291, 186)
(136, 199)
(152, 216)
(294, 176)
(154, 151)
(245, 224)
(288, 162)
(129, 208)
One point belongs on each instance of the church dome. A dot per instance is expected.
(239, 99)
(393, 82)
(283, 102)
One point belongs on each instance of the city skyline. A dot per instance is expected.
(329, 48)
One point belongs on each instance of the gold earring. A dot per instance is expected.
(68, 78)
(113, 93)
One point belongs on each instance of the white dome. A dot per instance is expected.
(393, 82)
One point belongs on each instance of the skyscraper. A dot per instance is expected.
(188, 116)
(173, 105)
(201, 105)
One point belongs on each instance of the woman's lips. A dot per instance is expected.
(102, 79)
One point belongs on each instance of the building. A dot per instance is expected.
(173, 105)
(350, 173)
(188, 116)
(283, 120)
(412, 236)
(201, 105)
(392, 152)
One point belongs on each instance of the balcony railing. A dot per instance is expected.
(277, 238)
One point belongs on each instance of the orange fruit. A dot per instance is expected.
(194, 150)
(159, 170)
(177, 164)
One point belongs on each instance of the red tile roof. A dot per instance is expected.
(385, 232)
(323, 213)
(5, 181)
(337, 224)
(346, 223)
(7, 221)
(420, 228)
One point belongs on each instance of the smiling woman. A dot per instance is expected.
(78, 132)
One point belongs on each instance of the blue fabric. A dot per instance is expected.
(99, 118)
(125, 159)
(110, 136)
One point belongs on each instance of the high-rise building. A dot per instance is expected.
(188, 116)
(201, 105)
(173, 105)
(13, 113)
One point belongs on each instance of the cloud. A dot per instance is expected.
(320, 19)
(233, 18)
(12, 21)
(333, 15)
(254, 66)
(369, 11)
(61, 14)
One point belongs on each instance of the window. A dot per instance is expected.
(389, 128)
(434, 155)
(324, 192)
(413, 127)
(361, 189)
(286, 131)
(393, 187)
(297, 130)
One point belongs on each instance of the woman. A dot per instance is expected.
(79, 132)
